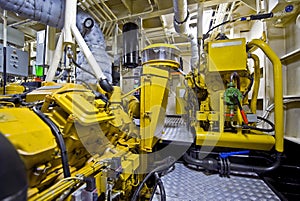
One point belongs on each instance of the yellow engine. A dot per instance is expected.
(66, 135)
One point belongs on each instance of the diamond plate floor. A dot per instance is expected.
(184, 184)
(175, 130)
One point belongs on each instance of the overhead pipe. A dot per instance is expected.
(4, 50)
(181, 25)
(195, 52)
(200, 29)
(181, 16)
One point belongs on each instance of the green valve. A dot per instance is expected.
(39, 71)
(229, 94)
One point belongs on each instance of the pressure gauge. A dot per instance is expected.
(88, 23)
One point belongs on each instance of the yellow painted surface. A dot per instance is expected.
(227, 55)
(233, 140)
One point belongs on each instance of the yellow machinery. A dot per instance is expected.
(67, 131)
(158, 60)
(225, 118)
(79, 143)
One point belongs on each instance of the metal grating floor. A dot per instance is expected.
(185, 184)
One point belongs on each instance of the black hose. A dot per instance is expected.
(165, 165)
(215, 165)
(251, 17)
(206, 34)
(86, 84)
(235, 76)
(161, 187)
(59, 139)
(154, 190)
(81, 68)
(250, 86)
(207, 163)
(262, 129)
(254, 168)
(160, 184)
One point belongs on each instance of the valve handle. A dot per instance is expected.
(244, 116)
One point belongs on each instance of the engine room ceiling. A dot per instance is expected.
(155, 16)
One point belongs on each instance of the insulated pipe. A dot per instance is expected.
(256, 82)
(278, 92)
(52, 13)
(258, 169)
(4, 50)
(70, 16)
(200, 20)
(194, 51)
(200, 29)
(181, 15)
(46, 12)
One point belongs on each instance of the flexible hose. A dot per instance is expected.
(245, 18)
(249, 87)
(235, 76)
(161, 187)
(207, 163)
(258, 169)
(214, 165)
(262, 129)
(83, 69)
(165, 165)
(60, 141)
(160, 184)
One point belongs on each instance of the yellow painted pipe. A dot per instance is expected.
(60, 187)
(256, 82)
(278, 91)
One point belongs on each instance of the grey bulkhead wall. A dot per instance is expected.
(51, 12)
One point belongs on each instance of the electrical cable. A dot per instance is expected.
(250, 85)
(245, 18)
(86, 84)
(83, 69)
(165, 165)
(262, 129)
(60, 141)
(272, 106)
(235, 76)
(160, 184)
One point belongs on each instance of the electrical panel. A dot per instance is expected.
(16, 61)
